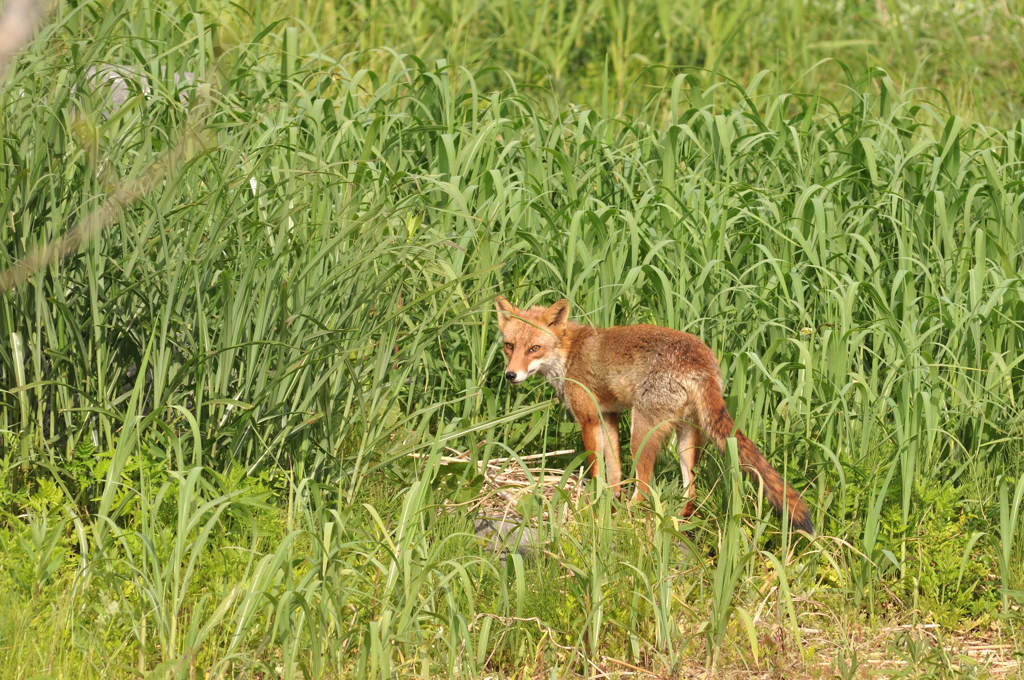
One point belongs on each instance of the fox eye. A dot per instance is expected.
(508, 346)
(534, 349)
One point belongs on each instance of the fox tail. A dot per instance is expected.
(720, 426)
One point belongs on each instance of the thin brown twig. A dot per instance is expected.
(101, 218)
(629, 665)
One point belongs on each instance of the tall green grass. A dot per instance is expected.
(208, 410)
(611, 55)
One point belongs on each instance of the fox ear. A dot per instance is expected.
(505, 311)
(557, 315)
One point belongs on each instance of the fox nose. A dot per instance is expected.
(510, 375)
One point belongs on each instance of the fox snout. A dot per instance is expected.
(516, 377)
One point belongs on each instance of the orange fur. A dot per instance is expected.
(669, 379)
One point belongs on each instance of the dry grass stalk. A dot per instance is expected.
(101, 218)
(18, 24)
(506, 481)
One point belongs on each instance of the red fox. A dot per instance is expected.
(670, 379)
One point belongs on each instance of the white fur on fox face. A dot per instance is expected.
(535, 366)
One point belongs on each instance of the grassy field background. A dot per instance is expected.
(614, 55)
(226, 419)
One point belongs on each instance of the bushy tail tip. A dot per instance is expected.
(778, 493)
(800, 517)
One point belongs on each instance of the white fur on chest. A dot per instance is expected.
(554, 371)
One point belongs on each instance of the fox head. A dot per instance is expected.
(533, 338)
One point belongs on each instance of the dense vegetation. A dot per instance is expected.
(224, 417)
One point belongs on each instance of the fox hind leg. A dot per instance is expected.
(649, 432)
(690, 442)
